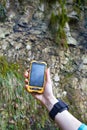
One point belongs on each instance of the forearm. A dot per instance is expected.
(64, 119)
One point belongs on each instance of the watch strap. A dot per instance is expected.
(58, 108)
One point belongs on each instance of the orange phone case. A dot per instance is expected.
(37, 89)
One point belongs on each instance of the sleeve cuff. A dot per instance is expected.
(83, 127)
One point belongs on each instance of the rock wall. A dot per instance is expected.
(23, 41)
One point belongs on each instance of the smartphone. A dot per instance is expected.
(37, 76)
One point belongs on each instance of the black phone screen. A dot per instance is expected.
(37, 74)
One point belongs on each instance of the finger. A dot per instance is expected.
(48, 75)
(26, 87)
(26, 81)
(28, 70)
(26, 74)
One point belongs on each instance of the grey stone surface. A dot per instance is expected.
(68, 66)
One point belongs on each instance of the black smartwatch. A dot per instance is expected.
(58, 108)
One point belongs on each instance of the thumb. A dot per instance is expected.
(48, 75)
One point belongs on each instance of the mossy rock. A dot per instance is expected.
(2, 13)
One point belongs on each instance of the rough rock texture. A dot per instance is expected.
(27, 40)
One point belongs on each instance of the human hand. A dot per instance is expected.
(47, 97)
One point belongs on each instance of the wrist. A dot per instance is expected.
(58, 107)
(50, 102)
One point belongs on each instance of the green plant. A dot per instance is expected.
(62, 19)
(18, 109)
(3, 2)
(58, 20)
(7, 67)
(78, 6)
(2, 13)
